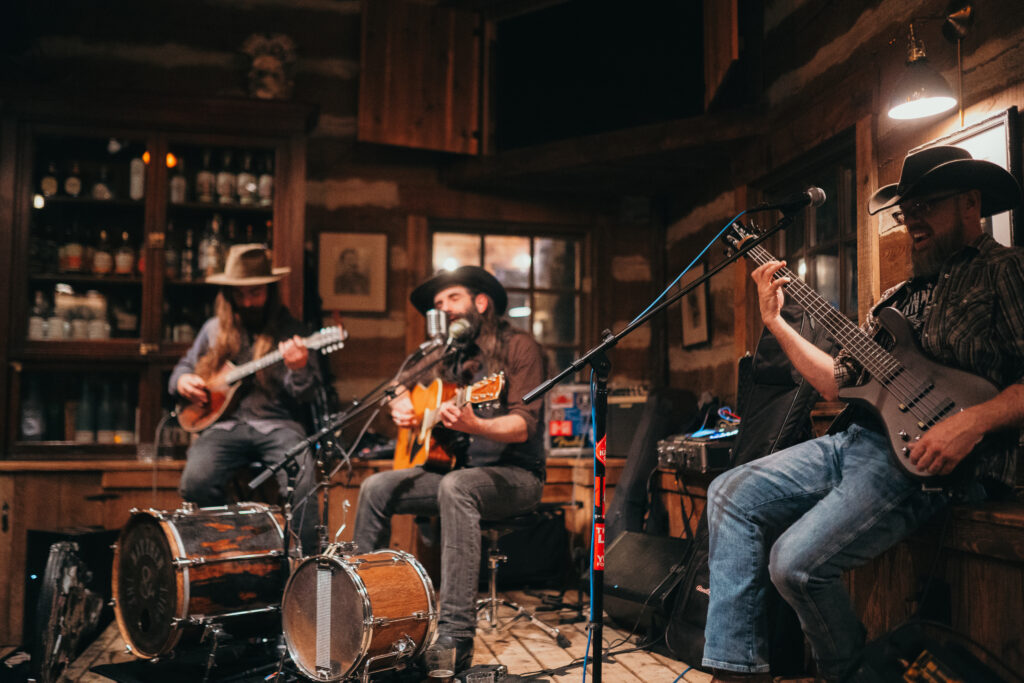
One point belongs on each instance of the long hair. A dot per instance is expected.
(492, 336)
(229, 334)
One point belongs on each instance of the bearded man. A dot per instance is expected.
(503, 472)
(803, 516)
(264, 420)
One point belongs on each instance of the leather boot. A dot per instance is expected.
(463, 650)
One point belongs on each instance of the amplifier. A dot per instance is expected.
(702, 452)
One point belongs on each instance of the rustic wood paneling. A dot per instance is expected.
(721, 44)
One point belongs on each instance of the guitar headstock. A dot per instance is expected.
(737, 234)
(328, 339)
(488, 389)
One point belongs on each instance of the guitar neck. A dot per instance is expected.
(875, 359)
(242, 371)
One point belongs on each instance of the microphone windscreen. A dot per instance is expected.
(817, 196)
(458, 328)
(437, 324)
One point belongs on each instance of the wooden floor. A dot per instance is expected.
(524, 649)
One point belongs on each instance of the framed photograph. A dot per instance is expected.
(696, 326)
(995, 139)
(353, 272)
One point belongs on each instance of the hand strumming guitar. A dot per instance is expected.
(192, 388)
(402, 411)
(294, 353)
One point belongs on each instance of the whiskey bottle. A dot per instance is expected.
(248, 190)
(179, 183)
(73, 181)
(105, 415)
(101, 188)
(33, 418)
(137, 178)
(124, 257)
(74, 250)
(172, 263)
(226, 183)
(85, 416)
(103, 255)
(265, 183)
(124, 417)
(211, 248)
(48, 184)
(187, 262)
(206, 181)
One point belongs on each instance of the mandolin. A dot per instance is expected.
(907, 391)
(419, 445)
(224, 383)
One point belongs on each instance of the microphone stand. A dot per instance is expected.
(597, 359)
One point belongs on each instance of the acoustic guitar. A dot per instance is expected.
(223, 385)
(907, 391)
(420, 445)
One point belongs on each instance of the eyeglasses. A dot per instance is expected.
(920, 208)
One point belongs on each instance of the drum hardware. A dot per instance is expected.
(197, 561)
(402, 649)
(201, 620)
(215, 632)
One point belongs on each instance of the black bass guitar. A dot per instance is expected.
(907, 391)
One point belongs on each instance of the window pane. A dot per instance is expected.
(560, 359)
(826, 271)
(454, 249)
(508, 258)
(554, 318)
(519, 310)
(850, 255)
(826, 216)
(795, 236)
(555, 263)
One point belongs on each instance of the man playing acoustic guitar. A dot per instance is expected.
(262, 423)
(804, 515)
(504, 459)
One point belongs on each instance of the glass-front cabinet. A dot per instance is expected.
(118, 216)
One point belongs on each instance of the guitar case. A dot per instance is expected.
(774, 402)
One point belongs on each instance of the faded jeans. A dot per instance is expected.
(800, 518)
(462, 498)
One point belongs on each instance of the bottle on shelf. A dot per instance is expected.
(265, 183)
(73, 181)
(172, 263)
(248, 189)
(226, 183)
(33, 417)
(105, 415)
(49, 249)
(179, 183)
(124, 257)
(206, 181)
(125, 314)
(124, 416)
(85, 415)
(74, 249)
(137, 178)
(49, 185)
(54, 410)
(187, 262)
(37, 316)
(184, 331)
(211, 248)
(58, 326)
(101, 188)
(231, 236)
(249, 238)
(103, 255)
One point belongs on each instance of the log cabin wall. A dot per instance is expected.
(826, 69)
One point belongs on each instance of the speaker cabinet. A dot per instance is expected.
(641, 575)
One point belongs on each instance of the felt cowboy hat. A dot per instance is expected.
(935, 169)
(472, 277)
(248, 265)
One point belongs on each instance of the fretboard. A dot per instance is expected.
(252, 367)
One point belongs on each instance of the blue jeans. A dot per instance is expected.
(217, 455)
(462, 498)
(800, 518)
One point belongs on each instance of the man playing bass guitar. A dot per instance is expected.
(804, 515)
(250, 321)
(504, 459)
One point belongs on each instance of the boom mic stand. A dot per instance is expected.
(597, 359)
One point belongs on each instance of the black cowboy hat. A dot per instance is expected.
(949, 168)
(471, 277)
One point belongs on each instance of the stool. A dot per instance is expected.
(488, 607)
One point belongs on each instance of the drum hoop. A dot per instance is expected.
(178, 553)
(360, 585)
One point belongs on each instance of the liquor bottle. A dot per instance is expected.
(73, 181)
(49, 254)
(103, 255)
(37, 317)
(124, 257)
(33, 418)
(48, 184)
(211, 248)
(105, 415)
(249, 237)
(226, 183)
(137, 178)
(248, 190)
(172, 263)
(265, 184)
(179, 184)
(124, 417)
(54, 411)
(101, 188)
(85, 415)
(125, 315)
(188, 257)
(74, 249)
(231, 237)
(206, 181)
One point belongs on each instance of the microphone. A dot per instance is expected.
(812, 196)
(456, 331)
(437, 324)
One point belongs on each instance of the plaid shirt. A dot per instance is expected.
(975, 322)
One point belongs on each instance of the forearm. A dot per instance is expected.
(504, 429)
(812, 363)
(1003, 411)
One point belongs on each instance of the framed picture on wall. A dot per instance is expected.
(995, 139)
(696, 326)
(353, 271)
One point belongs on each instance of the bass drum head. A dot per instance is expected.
(145, 587)
(339, 623)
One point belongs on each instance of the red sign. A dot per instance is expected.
(602, 449)
(599, 547)
(560, 427)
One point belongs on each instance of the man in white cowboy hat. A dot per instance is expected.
(249, 322)
(504, 460)
(804, 515)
